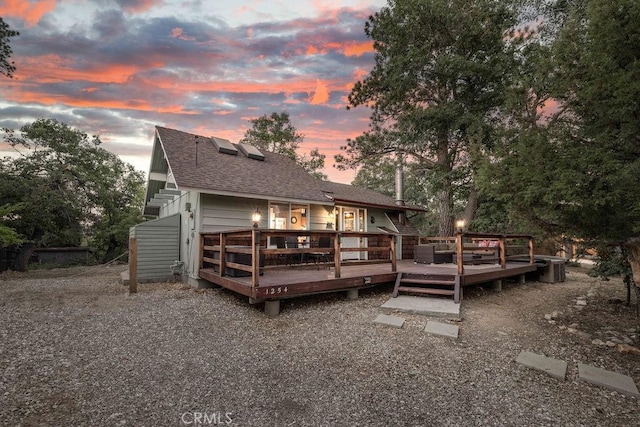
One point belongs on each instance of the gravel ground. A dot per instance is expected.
(76, 349)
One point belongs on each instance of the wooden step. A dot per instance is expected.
(429, 291)
(428, 282)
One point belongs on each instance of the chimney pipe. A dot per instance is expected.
(399, 184)
(400, 190)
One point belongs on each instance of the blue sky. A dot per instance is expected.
(117, 68)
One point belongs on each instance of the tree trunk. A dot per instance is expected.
(24, 255)
(445, 193)
(473, 202)
(445, 217)
(633, 251)
(633, 255)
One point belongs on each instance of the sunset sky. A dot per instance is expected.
(117, 68)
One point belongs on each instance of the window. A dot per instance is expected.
(287, 216)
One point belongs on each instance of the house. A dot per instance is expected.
(200, 184)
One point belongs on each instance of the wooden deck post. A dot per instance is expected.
(392, 244)
(457, 290)
(201, 260)
(223, 253)
(133, 265)
(337, 255)
(460, 256)
(255, 258)
(531, 259)
(503, 252)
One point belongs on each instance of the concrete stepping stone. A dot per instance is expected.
(439, 307)
(442, 329)
(386, 320)
(611, 380)
(554, 367)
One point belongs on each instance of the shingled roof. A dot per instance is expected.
(362, 196)
(196, 163)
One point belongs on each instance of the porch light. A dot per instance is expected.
(256, 216)
(460, 225)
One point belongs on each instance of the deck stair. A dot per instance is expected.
(428, 284)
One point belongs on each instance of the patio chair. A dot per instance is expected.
(280, 244)
(292, 243)
(322, 256)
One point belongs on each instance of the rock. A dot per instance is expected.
(610, 344)
(628, 349)
(581, 302)
(597, 342)
(584, 335)
(556, 314)
(562, 327)
(548, 316)
(615, 340)
(552, 322)
(571, 330)
(573, 325)
(627, 340)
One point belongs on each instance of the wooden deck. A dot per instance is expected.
(290, 282)
(270, 283)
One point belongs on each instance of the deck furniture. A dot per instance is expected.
(280, 243)
(433, 253)
(321, 256)
(291, 242)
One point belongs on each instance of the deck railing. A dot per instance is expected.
(245, 252)
(511, 246)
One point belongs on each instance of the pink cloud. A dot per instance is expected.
(140, 6)
(29, 12)
(321, 94)
(178, 33)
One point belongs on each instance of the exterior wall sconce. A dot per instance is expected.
(256, 216)
(460, 225)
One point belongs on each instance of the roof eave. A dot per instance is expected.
(382, 206)
(257, 196)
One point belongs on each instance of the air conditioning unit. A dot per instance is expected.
(553, 272)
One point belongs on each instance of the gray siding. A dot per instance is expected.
(227, 213)
(158, 247)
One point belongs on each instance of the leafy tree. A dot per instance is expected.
(68, 189)
(576, 170)
(7, 66)
(276, 133)
(313, 163)
(441, 67)
(8, 235)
